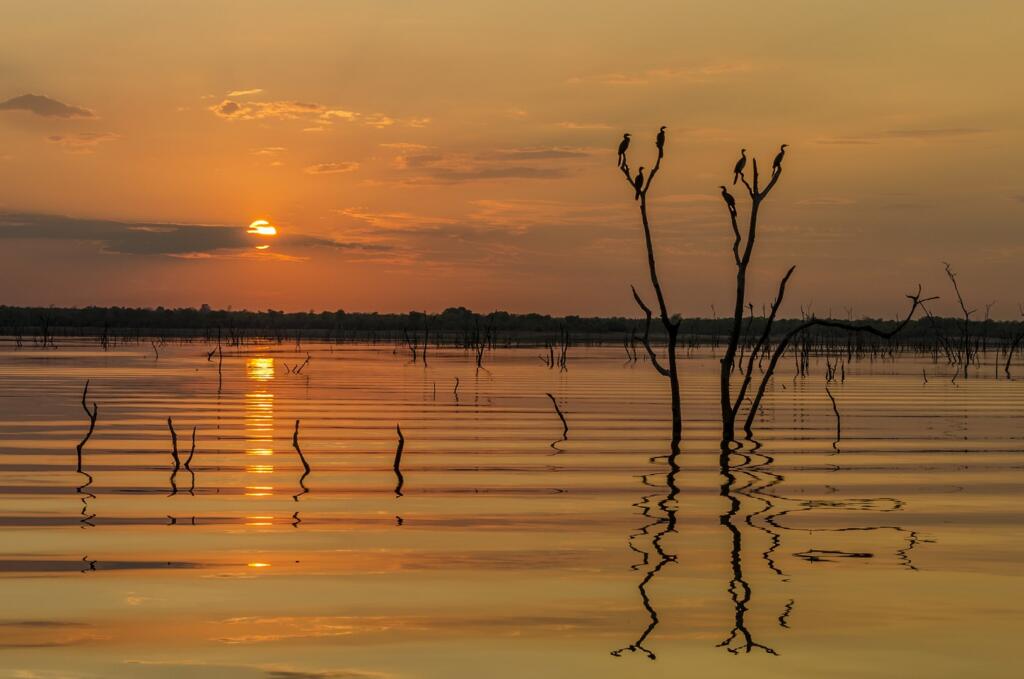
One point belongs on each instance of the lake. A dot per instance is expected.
(509, 550)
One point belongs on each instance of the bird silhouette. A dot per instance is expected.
(660, 141)
(777, 163)
(740, 164)
(638, 183)
(729, 200)
(623, 145)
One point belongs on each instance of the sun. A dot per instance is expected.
(262, 227)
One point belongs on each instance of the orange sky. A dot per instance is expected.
(420, 155)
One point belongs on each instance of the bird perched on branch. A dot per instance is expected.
(740, 164)
(638, 183)
(730, 202)
(660, 140)
(777, 163)
(623, 145)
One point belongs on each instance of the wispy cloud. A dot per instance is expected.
(187, 241)
(913, 133)
(332, 168)
(688, 74)
(44, 106)
(245, 93)
(236, 109)
(569, 125)
(82, 142)
(512, 163)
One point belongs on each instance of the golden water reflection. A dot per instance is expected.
(259, 412)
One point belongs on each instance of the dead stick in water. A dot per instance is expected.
(565, 425)
(174, 443)
(92, 423)
(192, 451)
(839, 424)
(295, 444)
(398, 461)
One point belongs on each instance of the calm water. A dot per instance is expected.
(510, 553)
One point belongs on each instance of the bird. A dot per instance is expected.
(660, 141)
(638, 183)
(777, 163)
(729, 200)
(623, 145)
(740, 164)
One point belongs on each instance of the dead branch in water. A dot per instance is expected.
(783, 345)
(174, 443)
(398, 461)
(92, 423)
(295, 444)
(192, 451)
(305, 465)
(835, 409)
(565, 425)
(965, 352)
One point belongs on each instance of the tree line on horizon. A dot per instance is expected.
(206, 322)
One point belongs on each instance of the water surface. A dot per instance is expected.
(508, 550)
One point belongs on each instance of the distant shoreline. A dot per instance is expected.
(452, 326)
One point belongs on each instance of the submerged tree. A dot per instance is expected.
(743, 250)
(670, 369)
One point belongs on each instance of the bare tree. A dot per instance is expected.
(743, 250)
(641, 186)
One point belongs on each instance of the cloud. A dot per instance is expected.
(514, 163)
(569, 125)
(234, 110)
(332, 168)
(81, 142)
(825, 202)
(45, 106)
(244, 93)
(933, 133)
(921, 133)
(691, 74)
(404, 146)
(186, 241)
(394, 220)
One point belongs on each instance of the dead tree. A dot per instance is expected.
(964, 351)
(1013, 348)
(742, 251)
(670, 370)
(92, 422)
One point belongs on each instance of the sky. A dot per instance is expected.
(421, 155)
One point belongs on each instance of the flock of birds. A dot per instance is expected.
(659, 141)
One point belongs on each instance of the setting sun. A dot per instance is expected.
(262, 227)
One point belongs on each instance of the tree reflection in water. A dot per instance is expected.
(748, 477)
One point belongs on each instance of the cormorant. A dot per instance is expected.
(740, 164)
(623, 145)
(729, 200)
(660, 141)
(777, 163)
(638, 183)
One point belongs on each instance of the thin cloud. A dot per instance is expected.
(245, 93)
(44, 106)
(919, 134)
(332, 168)
(569, 125)
(235, 110)
(691, 74)
(82, 142)
(186, 241)
(514, 163)
(933, 133)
